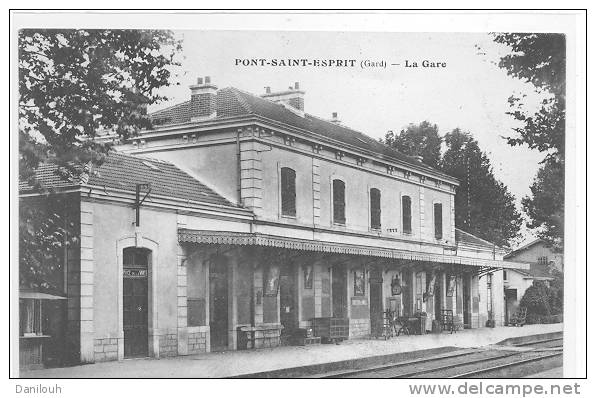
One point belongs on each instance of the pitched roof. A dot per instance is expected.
(469, 239)
(524, 247)
(539, 271)
(234, 102)
(120, 171)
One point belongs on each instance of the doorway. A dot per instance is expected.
(339, 291)
(376, 302)
(218, 303)
(510, 302)
(438, 296)
(135, 302)
(288, 302)
(466, 285)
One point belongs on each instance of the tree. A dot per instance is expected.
(418, 140)
(74, 85)
(545, 206)
(483, 205)
(540, 59)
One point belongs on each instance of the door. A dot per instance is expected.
(218, 303)
(339, 291)
(288, 306)
(510, 301)
(467, 293)
(376, 302)
(135, 303)
(438, 297)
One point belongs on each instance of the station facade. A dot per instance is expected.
(243, 212)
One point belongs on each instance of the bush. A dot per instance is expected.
(544, 301)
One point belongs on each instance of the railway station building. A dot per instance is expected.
(239, 220)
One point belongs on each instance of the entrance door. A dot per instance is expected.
(218, 303)
(438, 297)
(339, 291)
(135, 302)
(510, 300)
(288, 305)
(467, 304)
(376, 302)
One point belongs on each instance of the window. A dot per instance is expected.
(375, 208)
(406, 205)
(504, 275)
(30, 317)
(339, 202)
(288, 192)
(438, 209)
(543, 260)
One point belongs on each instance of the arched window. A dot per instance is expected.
(339, 202)
(406, 207)
(375, 208)
(438, 210)
(288, 192)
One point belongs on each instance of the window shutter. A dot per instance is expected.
(375, 208)
(438, 221)
(407, 214)
(339, 202)
(288, 192)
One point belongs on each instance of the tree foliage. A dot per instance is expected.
(540, 60)
(483, 205)
(76, 83)
(73, 86)
(418, 140)
(545, 206)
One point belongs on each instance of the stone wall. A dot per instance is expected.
(168, 345)
(359, 327)
(105, 349)
(197, 342)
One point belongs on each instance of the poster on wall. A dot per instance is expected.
(271, 281)
(395, 285)
(451, 286)
(308, 276)
(359, 282)
(430, 288)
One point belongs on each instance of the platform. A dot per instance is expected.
(234, 363)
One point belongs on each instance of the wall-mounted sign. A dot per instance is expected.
(430, 287)
(359, 282)
(359, 301)
(451, 286)
(308, 276)
(395, 285)
(271, 281)
(134, 273)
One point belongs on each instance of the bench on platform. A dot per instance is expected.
(447, 321)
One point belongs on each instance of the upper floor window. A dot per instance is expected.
(438, 212)
(339, 202)
(288, 192)
(375, 208)
(543, 260)
(406, 208)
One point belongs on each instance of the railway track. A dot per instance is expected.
(481, 363)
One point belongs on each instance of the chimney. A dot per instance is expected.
(293, 96)
(202, 100)
(334, 118)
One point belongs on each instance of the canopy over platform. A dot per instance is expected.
(257, 239)
(31, 294)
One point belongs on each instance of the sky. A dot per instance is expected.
(471, 92)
